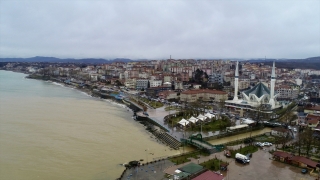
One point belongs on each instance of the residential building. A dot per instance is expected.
(216, 78)
(142, 84)
(130, 83)
(287, 92)
(154, 91)
(155, 83)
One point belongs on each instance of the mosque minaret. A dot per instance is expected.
(236, 79)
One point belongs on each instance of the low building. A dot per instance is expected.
(312, 109)
(303, 162)
(203, 95)
(209, 175)
(168, 95)
(279, 131)
(281, 156)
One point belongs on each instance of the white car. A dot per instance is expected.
(267, 144)
(294, 129)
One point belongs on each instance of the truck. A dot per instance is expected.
(242, 158)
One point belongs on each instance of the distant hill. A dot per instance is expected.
(58, 60)
(308, 63)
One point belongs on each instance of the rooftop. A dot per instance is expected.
(259, 90)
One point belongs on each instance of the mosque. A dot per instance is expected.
(259, 98)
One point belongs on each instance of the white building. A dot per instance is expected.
(155, 83)
(259, 95)
(287, 92)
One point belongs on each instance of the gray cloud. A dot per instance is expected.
(157, 29)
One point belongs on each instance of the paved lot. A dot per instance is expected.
(263, 168)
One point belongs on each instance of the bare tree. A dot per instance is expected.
(307, 139)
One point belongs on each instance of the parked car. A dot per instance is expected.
(249, 155)
(294, 129)
(248, 140)
(304, 171)
(259, 144)
(241, 161)
(267, 144)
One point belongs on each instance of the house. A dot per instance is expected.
(279, 131)
(312, 120)
(301, 117)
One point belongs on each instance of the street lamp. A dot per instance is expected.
(201, 127)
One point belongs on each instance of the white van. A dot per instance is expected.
(242, 157)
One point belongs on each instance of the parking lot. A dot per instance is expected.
(262, 167)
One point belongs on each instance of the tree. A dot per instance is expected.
(307, 139)
(283, 139)
(287, 115)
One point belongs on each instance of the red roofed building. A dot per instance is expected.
(312, 110)
(312, 121)
(209, 175)
(281, 156)
(303, 162)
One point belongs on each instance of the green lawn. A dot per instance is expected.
(185, 158)
(265, 138)
(154, 104)
(213, 164)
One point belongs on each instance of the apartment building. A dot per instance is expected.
(142, 84)
(287, 92)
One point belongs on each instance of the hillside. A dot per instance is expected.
(58, 60)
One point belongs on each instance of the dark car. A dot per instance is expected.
(240, 161)
(304, 171)
(248, 140)
(224, 167)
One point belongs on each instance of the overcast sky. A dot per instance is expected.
(150, 29)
